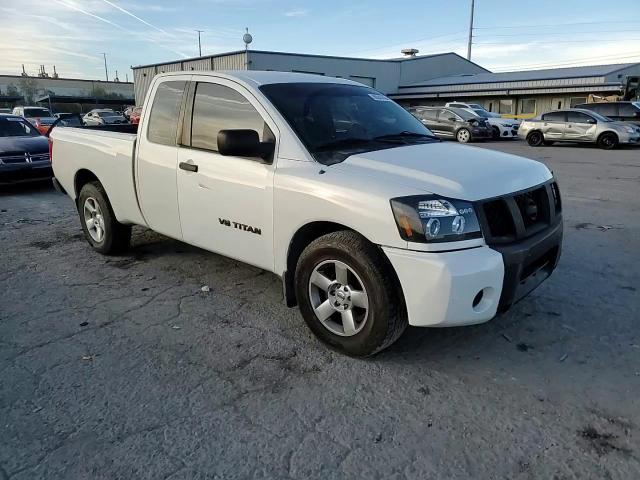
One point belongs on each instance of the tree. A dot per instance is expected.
(28, 87)
(12, 91)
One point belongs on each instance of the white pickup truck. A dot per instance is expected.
(371, 222)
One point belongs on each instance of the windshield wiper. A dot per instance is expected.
(344, 143)
(405, 135)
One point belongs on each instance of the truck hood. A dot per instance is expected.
(20, 145)
(449, 169)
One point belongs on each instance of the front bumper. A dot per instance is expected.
(478, 133)
(466, 287)
(10, 172)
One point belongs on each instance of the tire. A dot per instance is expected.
(97, 215)
(535, 139)
(318, 289)
(463, 135)
(608, 141)
(495, 133)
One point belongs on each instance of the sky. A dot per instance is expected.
(73, 34)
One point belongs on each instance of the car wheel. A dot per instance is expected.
(101, 229)
(608, 141)
(535, 139)
(348, 294)
(463, 135)
(495, 133)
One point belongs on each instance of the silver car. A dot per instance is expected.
(103, 117)
(578, 125)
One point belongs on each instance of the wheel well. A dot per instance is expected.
(608, 132)
(82, 178)
(535, 131)
(303, 237)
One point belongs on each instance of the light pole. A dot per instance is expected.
(106, 72)
(470, 31)
(199, 44)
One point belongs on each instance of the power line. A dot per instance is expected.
(495, 27)
(554, 33)
(534, 42)
(410, 41)
(566, 64)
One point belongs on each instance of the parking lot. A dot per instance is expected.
(171, 362)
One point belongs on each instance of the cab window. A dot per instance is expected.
(215, 108)
(165, 110)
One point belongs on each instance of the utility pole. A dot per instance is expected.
(106, 72)
(470, 31)
(199, 44)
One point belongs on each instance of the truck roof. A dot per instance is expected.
(263, 77)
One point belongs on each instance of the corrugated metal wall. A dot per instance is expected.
(143, 76)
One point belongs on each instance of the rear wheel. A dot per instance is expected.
(535, 139)
(463, 135)
(101, 229)
(348, 295)
(608, 141)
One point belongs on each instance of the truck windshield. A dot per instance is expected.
(16, 127)
(335, 121)
(36, 113)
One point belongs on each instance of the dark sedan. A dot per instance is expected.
(24, 152)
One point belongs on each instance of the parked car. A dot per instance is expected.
(127, 111)
(457, 123)
(500, 127)
(371, 222)
(135, 115)
(103, 117)
(619, 111)
(578, 125)
(24, 152)
(472, 106)
(42, 118)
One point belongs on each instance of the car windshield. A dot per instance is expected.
(107, 114)
(475, 106)
(485, 114)
(16, 127)
(36, 113)
(335, 120)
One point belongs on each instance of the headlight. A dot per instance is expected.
(429, 218)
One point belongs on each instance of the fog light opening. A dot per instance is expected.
(478, 298)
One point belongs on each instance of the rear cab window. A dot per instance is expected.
(165, 112)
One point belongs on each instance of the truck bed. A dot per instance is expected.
(107, 155)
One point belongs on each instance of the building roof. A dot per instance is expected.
(335, 57)
(523, 76)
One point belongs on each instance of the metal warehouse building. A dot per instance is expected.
(384, 75)
(522, 94)
(427, 79)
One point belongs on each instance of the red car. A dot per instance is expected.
(135, 115)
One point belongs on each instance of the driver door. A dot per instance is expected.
(226, 202)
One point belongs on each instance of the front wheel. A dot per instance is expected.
(535, 139)
(348, 295)
(463, 135)
(608, 141)
(99, 224)
(495, 133)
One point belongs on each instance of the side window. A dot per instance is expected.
(627, 110)
(606, 109)
(554, 117)
(429, 114)
(216, 108)
(165, 110)
(579, 117)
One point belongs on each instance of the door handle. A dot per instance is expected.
(189, 167)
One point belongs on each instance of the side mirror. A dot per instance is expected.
(243, 143)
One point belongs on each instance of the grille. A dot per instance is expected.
(16, 158)
(520, 215)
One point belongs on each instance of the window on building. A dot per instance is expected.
(165, 110)
(577, 101)
(216, 108)
(489, 106)
(528, 105)
(505, 107)
(368, 81)
(557, 103)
